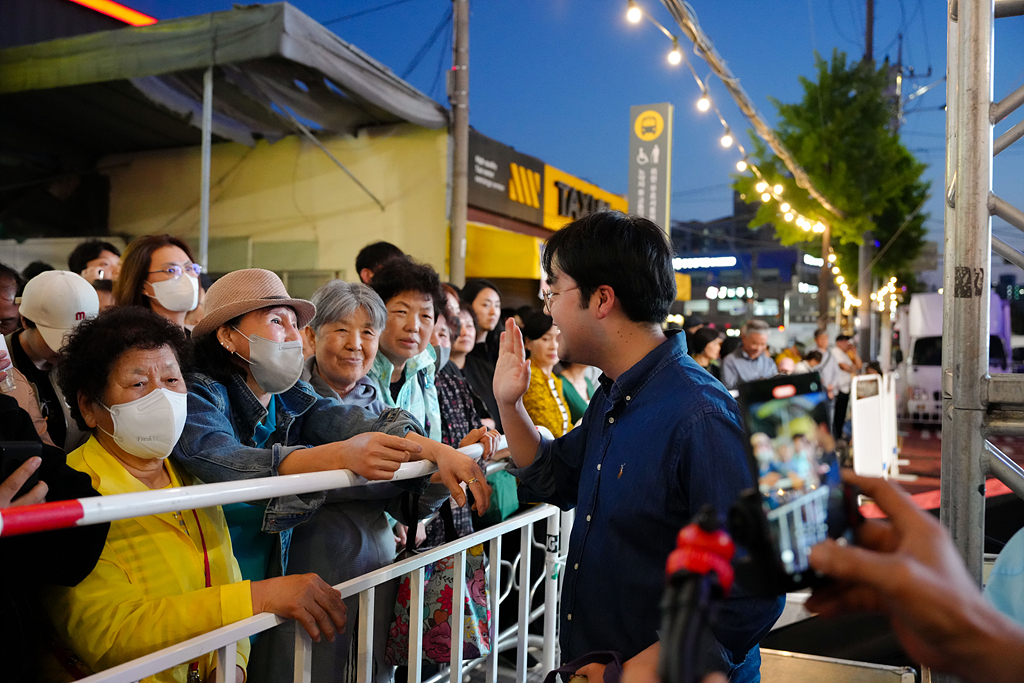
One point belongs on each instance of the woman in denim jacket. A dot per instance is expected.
(250, 417)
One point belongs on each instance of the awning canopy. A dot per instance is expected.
(136, 89)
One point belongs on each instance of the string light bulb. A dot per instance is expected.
(676, 55)
(765, 197)
(788, 216)
(785, 206)
(741, 166)
(831, 258)
(778, 189)
(761, 186)
(726, 140)
(633, 14)
(704, 103)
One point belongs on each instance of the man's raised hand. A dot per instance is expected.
(512, 372)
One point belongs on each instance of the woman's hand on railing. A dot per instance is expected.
(488, 438)
(454, 468)
(304, 597)
(375, 455)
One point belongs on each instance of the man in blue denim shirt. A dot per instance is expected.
(660, 439)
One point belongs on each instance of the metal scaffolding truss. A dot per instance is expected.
(974, 404)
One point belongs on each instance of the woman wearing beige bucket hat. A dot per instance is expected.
(249, 416)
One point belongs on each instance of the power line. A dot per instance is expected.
(446, 49)
(431, 39)
(386, 5)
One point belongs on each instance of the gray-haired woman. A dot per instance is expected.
(350, 534)
(344, 336)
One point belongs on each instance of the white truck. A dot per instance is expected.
(922, 349)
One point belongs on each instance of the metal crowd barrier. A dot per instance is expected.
(63, 514)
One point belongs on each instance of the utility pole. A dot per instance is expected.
(824, 277)
(864, 252)
(864, 294)
(458, 98)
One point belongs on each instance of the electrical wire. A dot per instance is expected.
(429, 43)
(386, 5)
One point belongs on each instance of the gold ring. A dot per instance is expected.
(472, 481)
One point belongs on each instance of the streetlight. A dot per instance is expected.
(633, 14)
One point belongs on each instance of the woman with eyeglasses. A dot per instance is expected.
(157, 272)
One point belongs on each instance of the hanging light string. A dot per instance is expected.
(767, 190)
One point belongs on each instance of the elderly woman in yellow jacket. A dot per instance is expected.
(161, 579)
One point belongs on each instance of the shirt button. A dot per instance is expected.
(611, 420)
(629, 398)
(588, 518)
(598, 468)
(568, 617)
(576, 566)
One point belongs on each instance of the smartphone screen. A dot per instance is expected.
(793, 456)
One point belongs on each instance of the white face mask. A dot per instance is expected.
(276, 366)
(179, 294)
(149, 427)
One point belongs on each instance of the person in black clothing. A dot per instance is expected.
(706, 349)
(63, 557)
(482, 297)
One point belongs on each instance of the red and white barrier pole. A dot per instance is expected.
(96, 510)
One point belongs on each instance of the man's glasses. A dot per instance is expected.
(550, 295)
(176, 271)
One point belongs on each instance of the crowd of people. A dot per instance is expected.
(748, 358)
(136, 372)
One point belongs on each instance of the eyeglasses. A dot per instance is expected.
(176, 271)
(549, 295)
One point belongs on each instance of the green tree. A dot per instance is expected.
(841, 134)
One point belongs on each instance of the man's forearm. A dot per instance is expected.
(520, 433)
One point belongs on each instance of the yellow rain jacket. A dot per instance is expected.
(148, 590)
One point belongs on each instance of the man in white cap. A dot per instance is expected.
(52, 304)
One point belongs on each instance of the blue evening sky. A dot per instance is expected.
(556, 78)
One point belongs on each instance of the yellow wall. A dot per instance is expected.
(552, 175)
(290, 191)
(495, 253)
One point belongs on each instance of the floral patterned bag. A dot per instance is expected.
(438, 587)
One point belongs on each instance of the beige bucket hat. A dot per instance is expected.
(244, 291)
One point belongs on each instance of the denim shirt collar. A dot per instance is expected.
(250, 412)
(629, 383)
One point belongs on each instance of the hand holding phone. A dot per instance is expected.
(800, 499)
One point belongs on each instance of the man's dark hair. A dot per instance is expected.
(34, 268)
(628, 253)
(95, 346)
(843, 337)
(397, 276)
(79, 259)
(814, 355)
(373, 256)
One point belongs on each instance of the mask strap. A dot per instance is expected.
(236, 353)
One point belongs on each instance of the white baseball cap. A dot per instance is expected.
(56, 301)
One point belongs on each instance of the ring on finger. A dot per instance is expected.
(472, 481)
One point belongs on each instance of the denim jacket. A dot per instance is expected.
(217, 442)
